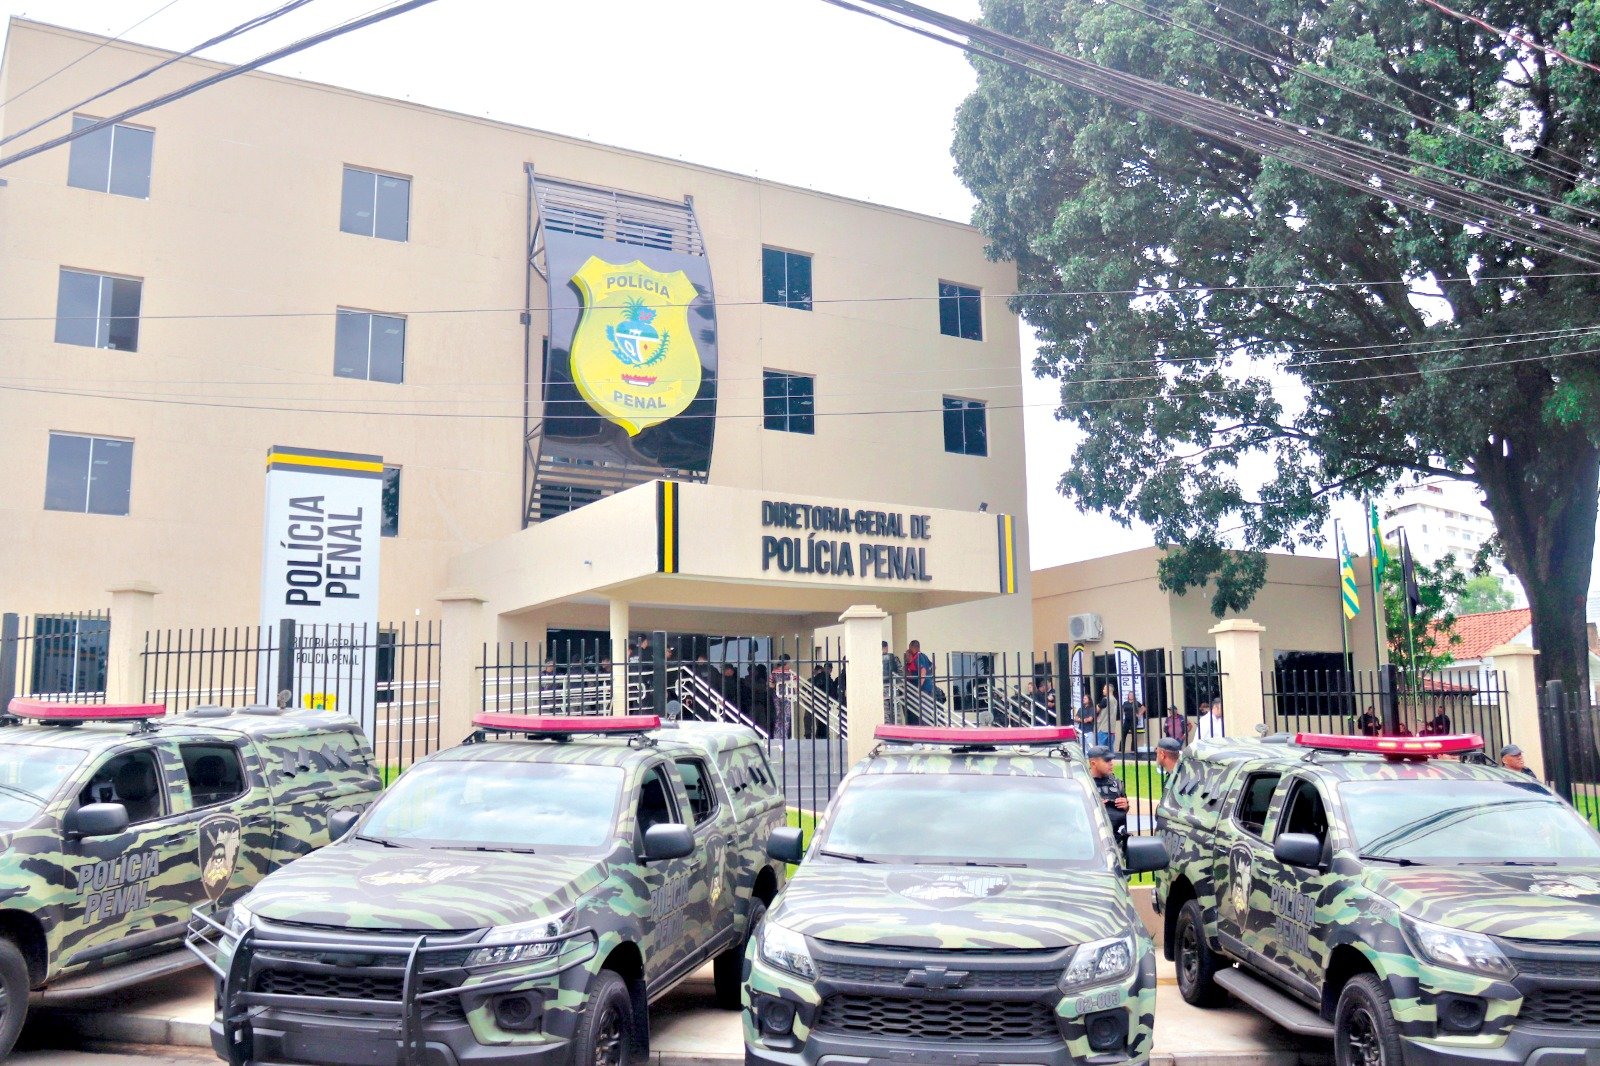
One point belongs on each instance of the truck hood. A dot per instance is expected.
(953, 906)
(1524, 902)
(361, 885)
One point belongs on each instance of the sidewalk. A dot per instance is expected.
(689, 1030)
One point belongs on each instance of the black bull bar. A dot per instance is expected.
(239, 1002)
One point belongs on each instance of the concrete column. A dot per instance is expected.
(899, 636)
(619, 656)
(133, 608)
(1522, 702)
(463, 632)
(1244, 706)
(863, 650)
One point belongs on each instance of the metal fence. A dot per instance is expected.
(387, 679)
(1389, 701)
(59, 657)
(1569, 723)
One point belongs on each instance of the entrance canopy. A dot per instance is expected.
(712, 547)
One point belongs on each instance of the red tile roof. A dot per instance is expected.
(1481, 632)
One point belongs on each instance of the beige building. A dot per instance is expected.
(277, 262)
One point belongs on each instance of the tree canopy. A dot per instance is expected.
(1266, 342)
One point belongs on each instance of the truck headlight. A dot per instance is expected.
(1461, 950)
(785, 949)
(1097, 963)
(240, 917)
(507, 937)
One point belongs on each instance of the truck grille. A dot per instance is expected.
(980, 980)
(977, 1021)
(1566, 1008)
(1567, 969)
(352, 985)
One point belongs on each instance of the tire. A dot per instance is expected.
(1364, 1029)
(1197, 964)
(14, 986)
(728, 968)
(607, 1035)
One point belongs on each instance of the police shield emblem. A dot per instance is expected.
(633, 355)
(219, 853)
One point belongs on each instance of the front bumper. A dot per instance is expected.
(1007, 1009)
(294, 995)
(1522, 1047)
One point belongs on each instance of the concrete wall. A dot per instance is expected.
(243, 219)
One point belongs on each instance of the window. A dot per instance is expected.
(786, 278)
(391, 501)
(90, 475)
(648, 234)
(701, 787)
(115, 159)
(789, 402)
(966, 427)
(69, 655)
(1202, 677)
(214, 773)
(960, 311)
(1255, 800)
(98, 310)
(370, 346)
(656, 806)
(1305, 813)
(574, 220)
(375, 205)
(1312, 683)
(131, 779)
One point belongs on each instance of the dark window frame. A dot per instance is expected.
(372, 318)
(60, 640)
(163, 793)
(960, 311)
(799, 412)
(786, 262)
(708, 781)
(960, 414)
(668, 774)
(90, 459)
(112, 332)
(1245, 792)
(375, 225)
(185, 747)
(79, 160)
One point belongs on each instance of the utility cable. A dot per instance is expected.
(221, 76)
(109, 41)
(226, 35)
(1515, 38)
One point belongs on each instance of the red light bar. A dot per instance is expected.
(1395, 747)
(45, 711)
(566, 725)
(923, 734)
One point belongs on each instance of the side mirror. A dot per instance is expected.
(97, 820)
(340, 823)
(1298, 849)
(667, 841)
(787, 845)
(1146, 854)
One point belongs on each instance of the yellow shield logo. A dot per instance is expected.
(633, 355)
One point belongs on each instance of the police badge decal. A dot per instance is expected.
(633, 354)
(219, 853)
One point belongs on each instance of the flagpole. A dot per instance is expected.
(1411, 629)
(1345, 665)
(1377, 583)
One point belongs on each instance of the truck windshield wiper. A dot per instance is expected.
(846, 856)
(1507, 862)
(382, 842)
(973, 862)
(1397, 860)
(513, 849)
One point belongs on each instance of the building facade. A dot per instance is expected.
(273, 262)
(1444, 518)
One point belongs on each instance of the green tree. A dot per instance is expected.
(1483, 592)
(1181, 390)
(1439, 587)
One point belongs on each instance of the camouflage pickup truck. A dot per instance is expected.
(117, 821)
(964, 901)
(1417, 909)
(522, 897)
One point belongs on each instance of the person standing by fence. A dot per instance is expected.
(1086, 721)
(783, 697)
(1128, 738)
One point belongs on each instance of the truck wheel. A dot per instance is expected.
(728, 968)
(1197, 964)
(1364, 1031)
(606, 1036)
(13, 994)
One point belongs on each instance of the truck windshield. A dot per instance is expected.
(29, 775)
(962, 819)
(1430, 820)
(510, 805)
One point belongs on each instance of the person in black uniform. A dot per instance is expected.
(1128, 740)
(1511, 758)
(1112, 793)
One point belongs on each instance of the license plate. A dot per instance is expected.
(333, 1050)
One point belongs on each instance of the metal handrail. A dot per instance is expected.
(817, 704)
(695, 691)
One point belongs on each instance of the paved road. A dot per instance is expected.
(131, 1057)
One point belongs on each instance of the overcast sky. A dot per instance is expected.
(806, 94)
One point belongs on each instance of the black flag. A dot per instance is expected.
(1408, 573)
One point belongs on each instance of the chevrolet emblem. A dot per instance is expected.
(935, 977)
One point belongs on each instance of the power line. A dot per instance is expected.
(1515, 38)
(113, 40)
(225, 35)
(178, 401)
(221, 76)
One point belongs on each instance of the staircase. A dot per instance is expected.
(817, 708)
(701, 702)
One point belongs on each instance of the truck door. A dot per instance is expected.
(1243, 829)
(1289, 914)
(232, 818)
(671, 884)
(713, 822)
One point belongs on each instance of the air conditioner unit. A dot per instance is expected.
(1085, 627)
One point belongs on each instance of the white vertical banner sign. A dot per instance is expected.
(319, 568)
